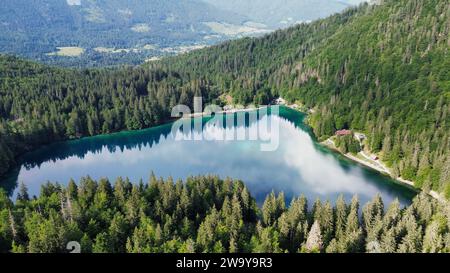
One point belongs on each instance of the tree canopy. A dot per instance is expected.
(208, 214)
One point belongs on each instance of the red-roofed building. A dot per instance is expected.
(343, 133)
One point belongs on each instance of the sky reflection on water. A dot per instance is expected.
(297, 167)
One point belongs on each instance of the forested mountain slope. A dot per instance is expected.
(105, 32)
(388, 74)
(383, 70)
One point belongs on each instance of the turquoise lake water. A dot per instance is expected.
(298, 166)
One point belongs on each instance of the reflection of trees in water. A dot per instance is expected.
(130, 140)
(125, 140)
(149, 137)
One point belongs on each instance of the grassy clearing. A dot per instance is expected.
(68, 51)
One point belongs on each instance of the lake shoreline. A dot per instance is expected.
(230, 111)
(164, 122)
(379, 167)
(294, 107)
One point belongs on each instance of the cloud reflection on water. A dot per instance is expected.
(296, 167)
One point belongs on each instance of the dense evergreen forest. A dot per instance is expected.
(379, 69)
(206, 214)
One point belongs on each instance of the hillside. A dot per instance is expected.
(380, 69)
(86, 33)
(106, 32)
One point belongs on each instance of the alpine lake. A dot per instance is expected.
(295, 163)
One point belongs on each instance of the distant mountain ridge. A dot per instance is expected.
(276, 14)
(109, 32)
(34, 28)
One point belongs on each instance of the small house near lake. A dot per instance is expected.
(344, 133)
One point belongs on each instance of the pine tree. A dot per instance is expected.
(327, 223)
(372, 217)
(269, 209)
(102, 244)
(353, 231)
(388, 242)
(314, 242)
(22, 195)
(433, 241)
(412, 241)
(188, 246)
(341, 212)
(266, 241)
